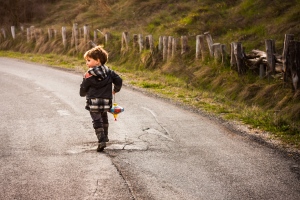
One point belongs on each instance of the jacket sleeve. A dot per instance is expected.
(83, 88)
(117, 81)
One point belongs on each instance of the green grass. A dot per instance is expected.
(47, 59)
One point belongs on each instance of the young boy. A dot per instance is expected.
(98, 85)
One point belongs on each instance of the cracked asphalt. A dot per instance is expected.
(157, 150)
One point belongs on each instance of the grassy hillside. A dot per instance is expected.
(268, 104)
(248, 21)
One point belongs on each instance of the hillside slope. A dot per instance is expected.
(247, 21)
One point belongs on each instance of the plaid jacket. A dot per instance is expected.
(100, 72)
(97, 86)
(98, 105)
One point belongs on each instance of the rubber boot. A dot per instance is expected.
(101, 139)
(105, 127)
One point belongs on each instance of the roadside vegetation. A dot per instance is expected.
(267, 104)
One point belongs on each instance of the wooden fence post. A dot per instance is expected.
(160, 43)
(3, 33)
(294, 62)
(216, 49)
(184, 44)
(95, 36)
(198, 47)
(285, 67)
(55, 33)
(33, 33)
(13, 32)
(165, 47)
(125, 41)
(149, 42)
(37, 34)
(209, 41)
(169, 51)
(238, 54)
(80, 35)
(174, 46)
(107, 36)
(31, 28)
(50, 33)
(219, 52)
(135, 43)
(203, 47)
(75, 35)
(232, 56)
(64, 36)
(28, 34)
(86, 33)
(140, 42)
(262, 71)
(223, 53)
(296, 70)
(291, 58)
(270, 50)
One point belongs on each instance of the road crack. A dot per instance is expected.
(154, 115)
(127, 183)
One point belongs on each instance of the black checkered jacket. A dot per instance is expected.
(97, 87)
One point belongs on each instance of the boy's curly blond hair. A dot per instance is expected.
(97, 53)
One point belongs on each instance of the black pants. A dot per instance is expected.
(100, 119)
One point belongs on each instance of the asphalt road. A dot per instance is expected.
(157, 150)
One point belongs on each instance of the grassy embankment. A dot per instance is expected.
(267, 104)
